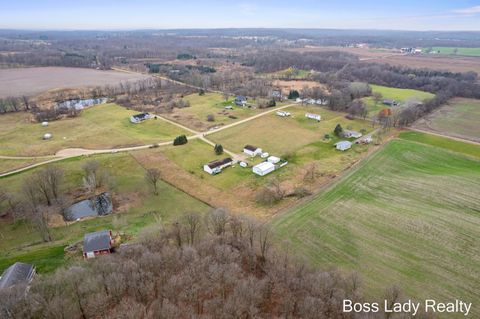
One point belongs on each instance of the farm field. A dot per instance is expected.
(298, 140)
(99, 127)
(195, 116)
(31, 81)
(455, 51)
(459, 118)
(407, 216)
(287, 85)
(399, 95)
(135, 208)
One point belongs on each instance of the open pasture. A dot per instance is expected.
(455, 51)
(135, 207)
(459, 118)
(99, 127)
(407, 216)
(399, 95)
(201, 106)
(31, 81)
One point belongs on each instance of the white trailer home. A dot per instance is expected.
(312, 116)
(263, 168)
(216, 167)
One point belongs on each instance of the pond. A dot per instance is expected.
(79, 104)
(100, 205)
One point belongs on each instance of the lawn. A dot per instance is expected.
(195, 116)
(98, 127)
(408, 216)
(399, 95)
(132, 198)
(459, 118)
(282, 136)
(455, 51)
(7, 165)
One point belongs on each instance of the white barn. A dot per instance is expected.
(343, 145)
(263, 168)
(252, 150)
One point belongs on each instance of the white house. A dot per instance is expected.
(252, 150)
(263, 168)
(343, 145)
(273, 159)
(216, 167)
(138, 118)
(312, 116)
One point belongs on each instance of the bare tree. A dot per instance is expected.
(94, 176)
(152, 176)
(34, 212)
(216, 221)
(192, 223)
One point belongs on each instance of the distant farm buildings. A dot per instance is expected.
(343, 145)
(350, 134)
(312, 116)
(216, 167)
(18, 273)
(252, 150)
(138, 118)
(390, 102)
(97, 243)
(283, 113)
(240, 100)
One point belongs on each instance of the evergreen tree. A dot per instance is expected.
(180, 140)
(218, 149)
(338, 130)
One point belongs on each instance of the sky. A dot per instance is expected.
(173, 14)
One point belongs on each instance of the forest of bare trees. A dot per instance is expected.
(217, 266)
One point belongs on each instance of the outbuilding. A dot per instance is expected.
(263, 168)
(18, 273)
(312, 116)
(138, 118)
(45, 124)
(343, 145)
(47, 136)
(97, 243)
(273, 159)
(252, 150)
(349, 134)
(240, 100)
(216, 166)
(283, 113)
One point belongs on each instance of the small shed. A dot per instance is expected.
(390, 102)
(263, 168)
(343, 145)
(252, 150)
(273, 159)
(47, 136)
(354, 134)
(18, 273)
(97, 243)
(45, 124)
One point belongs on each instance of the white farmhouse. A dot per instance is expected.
(312, 116)
(138, 118)
(263, 168)
(343, 145)
(252, 150)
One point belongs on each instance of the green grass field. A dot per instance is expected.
(455, 51)
(409, 215)
(399, 95)
(201, 106)
(459, 118)
(98, 127)
(131, 195)
(7, 165)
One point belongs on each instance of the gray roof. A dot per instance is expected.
(99, 240)
(16, 274)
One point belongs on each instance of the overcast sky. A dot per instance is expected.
(164, 14)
